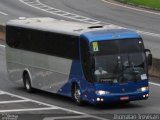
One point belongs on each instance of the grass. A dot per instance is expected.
(153, 4)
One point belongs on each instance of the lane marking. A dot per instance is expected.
(2, 45)
(50, 107)
(13, 101)
(65, 117)
(75, 16)
(25, 110)
(3, 13)
(1, 93)
(38, 102)
(132, 8)
(45, 8)
(156, 84)
(148, 33)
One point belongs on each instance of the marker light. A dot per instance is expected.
(101, 92)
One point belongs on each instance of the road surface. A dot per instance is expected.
(14, 99)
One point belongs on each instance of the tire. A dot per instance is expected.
(77, 95)
(27, 83)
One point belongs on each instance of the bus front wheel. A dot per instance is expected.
(27, 83)
(77, 95)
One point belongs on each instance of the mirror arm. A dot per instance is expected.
(148, 50)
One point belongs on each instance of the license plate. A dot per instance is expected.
(124, 98)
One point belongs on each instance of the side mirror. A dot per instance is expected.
(149, 57)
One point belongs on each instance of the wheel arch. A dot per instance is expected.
(26, 71)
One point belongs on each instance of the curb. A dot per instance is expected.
(155, 69)
(139, 6)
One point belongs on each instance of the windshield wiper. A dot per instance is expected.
(122, 70)
(119, 71)
(131, 64)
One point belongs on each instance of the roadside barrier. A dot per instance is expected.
(155, 69)
(2, 32)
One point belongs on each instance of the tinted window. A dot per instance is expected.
(110, 47)
(63, 45)
(56, 44)
(85, 58)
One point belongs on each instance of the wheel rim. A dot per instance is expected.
(77, 94)
(27, 85)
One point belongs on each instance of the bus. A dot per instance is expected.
(90, 63)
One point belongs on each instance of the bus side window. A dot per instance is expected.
(85, 59)
(13, 36)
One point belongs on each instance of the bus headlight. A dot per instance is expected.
(143, 89)
(102, 92)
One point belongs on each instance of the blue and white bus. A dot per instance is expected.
(92, 63)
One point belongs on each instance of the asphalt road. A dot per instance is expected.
(91, 11)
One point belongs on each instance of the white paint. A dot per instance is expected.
(59, 12)
(132, 8)
(24, 98)
(3, 13)
(1, 93)
(25, 110)
(2, 45)
(13, 101)
(85, 19)
(49, 107)
(155, 84)
(65, 117)
(148, 33)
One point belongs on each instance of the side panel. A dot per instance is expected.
(48, 73)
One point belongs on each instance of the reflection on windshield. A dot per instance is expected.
(119, 61)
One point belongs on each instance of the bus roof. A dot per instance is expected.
(89, 31)
(112, 34)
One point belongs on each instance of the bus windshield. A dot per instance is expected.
(119, 61)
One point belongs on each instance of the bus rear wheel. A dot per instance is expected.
(27, 83)
(77, 95)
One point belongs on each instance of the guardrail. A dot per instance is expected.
(153, 71)
(2, 32)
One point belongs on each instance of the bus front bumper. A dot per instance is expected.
(121, 97)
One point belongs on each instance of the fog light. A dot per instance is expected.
(144, 96)
(102, 99)
(98, 99)
(147, 95)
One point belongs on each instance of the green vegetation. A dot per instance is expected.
(153, 4)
